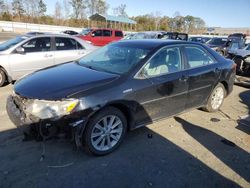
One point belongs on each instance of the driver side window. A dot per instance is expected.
(165, 61)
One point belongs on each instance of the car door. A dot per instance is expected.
(67, 49)
(107, 36)
(118, 35)
(37, 55)
(97, 37)
(203, 74)
(163, 91)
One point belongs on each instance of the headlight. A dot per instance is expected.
(51, 109)
(247, 59)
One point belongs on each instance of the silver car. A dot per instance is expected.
(28, 53)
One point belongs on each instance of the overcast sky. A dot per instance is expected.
(216, 13)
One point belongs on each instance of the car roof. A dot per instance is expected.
(83, 42)
(49, 35)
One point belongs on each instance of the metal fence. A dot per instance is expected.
(20, 27)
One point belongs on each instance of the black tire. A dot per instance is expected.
(2, 78)
(86, 137)
(209, 107)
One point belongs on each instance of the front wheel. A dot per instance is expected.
(2, 78)
(105, 131)
(216, 99)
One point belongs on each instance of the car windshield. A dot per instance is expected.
(12, 42)
(234, 46)
(217, 41)
(86, 31)
(114, 58)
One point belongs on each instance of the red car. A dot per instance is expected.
(101, 37)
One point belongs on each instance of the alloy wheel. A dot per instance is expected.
(217, 98)
(106, 133)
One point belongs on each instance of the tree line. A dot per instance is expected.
(74, 13)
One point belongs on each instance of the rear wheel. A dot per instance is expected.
(105, 131)
(216, 99)
(2, 78)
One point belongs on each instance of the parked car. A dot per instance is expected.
(199, 39)
(147, 35)
(28, 53)
(160, 35)
(242, 58)
(217, 44)
(128, 35)
(175, 36)
(120, 87)
(101, 37)
(70, 32)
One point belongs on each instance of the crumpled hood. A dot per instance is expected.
(61, 81)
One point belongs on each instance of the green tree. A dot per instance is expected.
(42, 8)
(101, 7)
(58, 13)
(120, 10)
(97, 6)
(78, 7)
(2, 6)
(6, 16)
(17, 8)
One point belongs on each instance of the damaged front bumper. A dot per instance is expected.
(15, 109)
(16, 106)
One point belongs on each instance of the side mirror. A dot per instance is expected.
(20, 50)
(142, 74)
(93, 34)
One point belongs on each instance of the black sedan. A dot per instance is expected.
(120, 87)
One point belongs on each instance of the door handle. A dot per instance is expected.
(183, 78)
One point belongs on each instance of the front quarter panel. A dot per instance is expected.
(118, 93)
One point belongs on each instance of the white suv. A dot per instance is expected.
(25, 54)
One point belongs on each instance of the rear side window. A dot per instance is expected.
(118, 34)
(107, 33)
(197, 57)
(66, 44)
(41, 44)
(97, 33)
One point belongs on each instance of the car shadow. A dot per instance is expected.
(244, 123)
(228, 152)
(145, 159)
